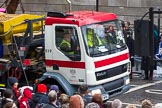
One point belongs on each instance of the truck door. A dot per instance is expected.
(67, 58)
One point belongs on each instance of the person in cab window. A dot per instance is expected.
(111, 36)
(93, 38)
(65, 44)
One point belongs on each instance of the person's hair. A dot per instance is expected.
(146, 104)
(97, 98)
(116, 103)
(76, 101)
(92, 105)
(52, 96)
(131, 106)
(107, 105)
(8, 93)
(67, 34)
(127, 23)
(83, 89)
(64, 98)
(110, 26)
(8, 105)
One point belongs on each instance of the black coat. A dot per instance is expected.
(39, 98)
(49, 105)
(130, 43)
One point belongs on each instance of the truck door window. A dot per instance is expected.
(67, 42)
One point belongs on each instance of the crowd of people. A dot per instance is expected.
(44, 97)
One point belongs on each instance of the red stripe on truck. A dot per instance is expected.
(68, 64)
(77, 64)
(112, 60)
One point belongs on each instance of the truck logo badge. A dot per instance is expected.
(101, 74)
(72, 71)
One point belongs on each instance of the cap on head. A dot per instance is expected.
(42, 88)
(12, 81)
(54, 87)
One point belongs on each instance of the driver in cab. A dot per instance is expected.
(65, 44)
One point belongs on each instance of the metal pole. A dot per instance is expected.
(159, 23)
(69, 2)
(151, 35)
(97, 4)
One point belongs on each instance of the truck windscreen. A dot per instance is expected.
(103, 38)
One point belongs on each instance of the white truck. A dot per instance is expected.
(104, 67)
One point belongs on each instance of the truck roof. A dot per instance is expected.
(79, 18)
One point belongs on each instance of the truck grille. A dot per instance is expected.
(117, 84)
(111, 72)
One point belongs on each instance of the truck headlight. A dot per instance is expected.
(127, 81)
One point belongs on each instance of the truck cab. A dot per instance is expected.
(100, 58)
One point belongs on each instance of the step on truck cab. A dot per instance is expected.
(98, 57)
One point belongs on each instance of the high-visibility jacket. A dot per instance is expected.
(66, 49)
(92, 42)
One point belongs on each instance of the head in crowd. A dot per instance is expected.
(21, 89)
(64, 98)
(127, 23)
(8, 93)
(54, 87)
(10, 105)
(122, 24)
(42, 88)
(131, 106)
(97, 98)
(111, 28)
(146, 104)
(92, 105)
(83, 89)
(116, 103)
(107, 105)
(52, 96)
(76, 101)
(27, 93)
(12, 82)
